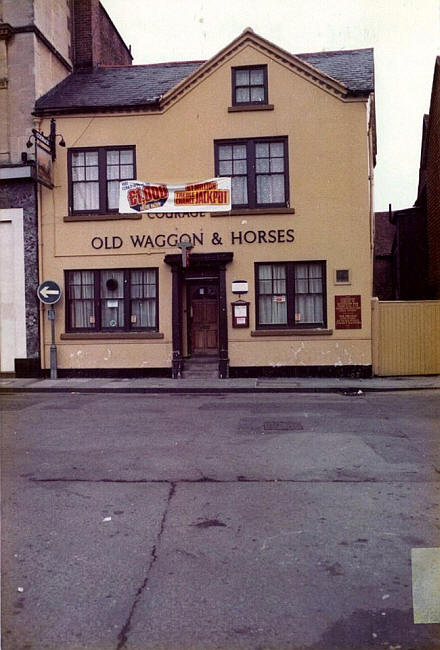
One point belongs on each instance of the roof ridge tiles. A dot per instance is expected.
(201, 61)
(356, 49)
(152, 65)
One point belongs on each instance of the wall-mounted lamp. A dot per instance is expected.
(49, 142)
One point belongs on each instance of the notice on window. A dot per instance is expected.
(212, 195)
(348, 314)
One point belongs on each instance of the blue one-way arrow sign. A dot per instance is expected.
(49, 292)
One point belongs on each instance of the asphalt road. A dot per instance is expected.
(226, 522)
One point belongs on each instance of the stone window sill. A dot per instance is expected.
(250, 107)
(102, 217)
(294, 332)
(244, 212)
(92, 336)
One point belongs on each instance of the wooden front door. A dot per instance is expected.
(204, 320)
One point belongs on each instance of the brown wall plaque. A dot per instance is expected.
(348, 313)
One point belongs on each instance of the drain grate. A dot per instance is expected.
(282, 425)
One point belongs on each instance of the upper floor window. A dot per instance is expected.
(258, 169)
(94, 177)
(112, 300)
(249, 85)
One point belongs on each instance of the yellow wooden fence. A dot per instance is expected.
(406, 337)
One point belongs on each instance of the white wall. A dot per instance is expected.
(12, 296)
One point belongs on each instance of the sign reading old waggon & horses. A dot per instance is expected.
(213, 195)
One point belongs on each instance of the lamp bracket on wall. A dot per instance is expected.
(49, 142)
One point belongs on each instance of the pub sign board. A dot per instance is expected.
(213, 195)
(348, 314)
(44, 165)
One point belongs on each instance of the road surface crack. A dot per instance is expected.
(123, 634)
(239, 479)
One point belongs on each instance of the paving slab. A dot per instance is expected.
(426, 583)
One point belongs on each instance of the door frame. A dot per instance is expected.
(204, 264)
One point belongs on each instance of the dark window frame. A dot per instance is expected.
(290, 297)
(97, 301)
(251, 173)
(235, 86)
(102, 176)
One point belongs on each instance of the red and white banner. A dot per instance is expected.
(213, 195)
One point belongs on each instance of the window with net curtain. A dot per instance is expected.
(258, 171)
(272, 288)
(249, 85)
(95, 176)
(291, 294)
(123, 300)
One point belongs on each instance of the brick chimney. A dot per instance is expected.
(96, 41)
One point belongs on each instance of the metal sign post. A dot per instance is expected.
(49, 292)
(185, 246)
(53, 347)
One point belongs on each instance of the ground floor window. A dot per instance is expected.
(290, 294)
(112, 300)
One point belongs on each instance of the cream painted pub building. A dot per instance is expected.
(280, 284)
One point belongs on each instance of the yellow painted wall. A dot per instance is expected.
(329, 190)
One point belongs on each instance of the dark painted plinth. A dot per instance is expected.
(351, 372)
(111, 373)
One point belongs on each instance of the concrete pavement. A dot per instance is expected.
(217, 522)
(260, 385)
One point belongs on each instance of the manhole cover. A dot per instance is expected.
(282, 425)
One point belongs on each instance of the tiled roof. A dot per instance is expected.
(353, 68)
(141, 85)
(128, 86)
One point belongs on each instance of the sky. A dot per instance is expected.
(405, 35)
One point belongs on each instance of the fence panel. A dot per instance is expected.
(406, 337)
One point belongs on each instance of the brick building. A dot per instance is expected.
(384, 234)
(411, 269)
(429, 186)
